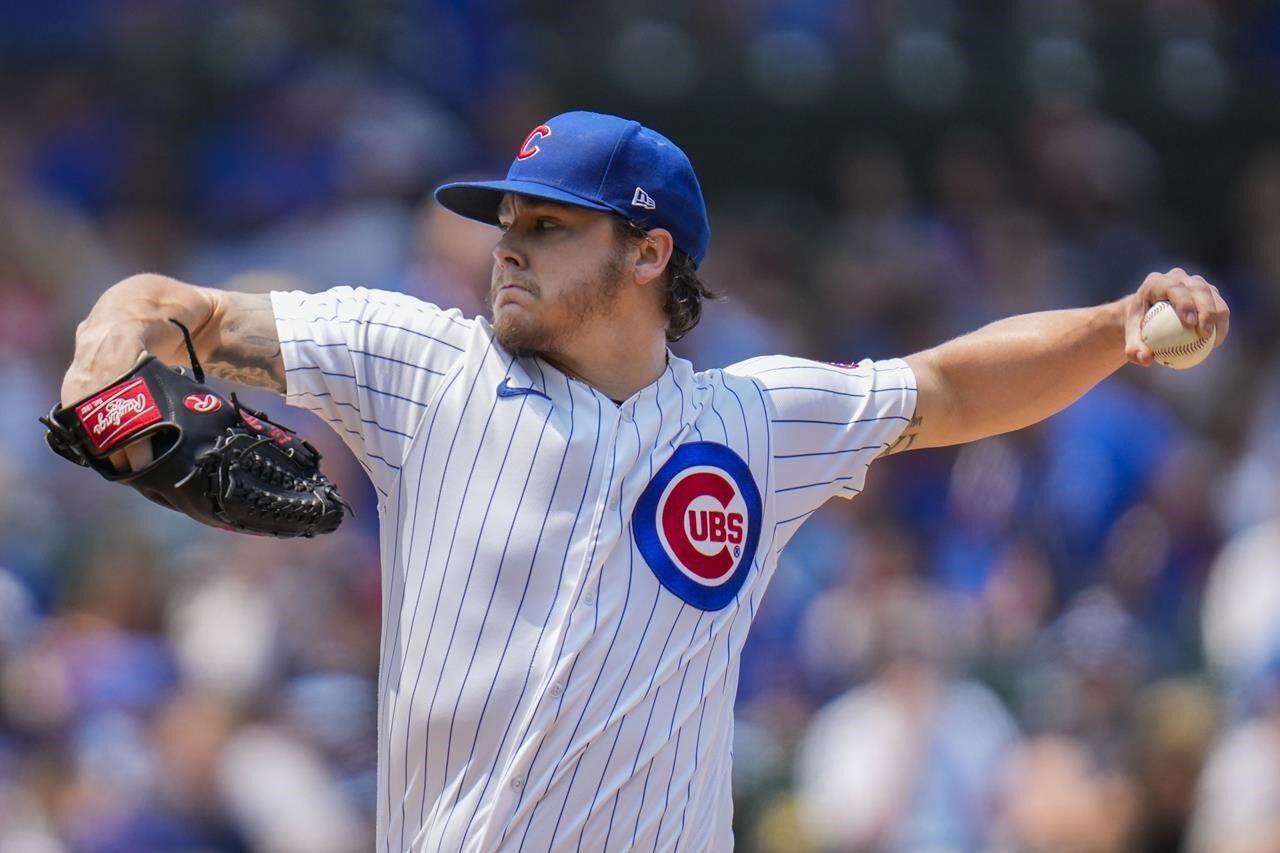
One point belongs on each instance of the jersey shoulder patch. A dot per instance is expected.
(697, 524)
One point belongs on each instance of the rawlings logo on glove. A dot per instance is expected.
(202, 403)
(214, 460)
(119, 410)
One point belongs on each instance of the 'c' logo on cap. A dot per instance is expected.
(697, 524)
(528, 149)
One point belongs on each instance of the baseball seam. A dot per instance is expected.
(1181, 349)
(1184, 349)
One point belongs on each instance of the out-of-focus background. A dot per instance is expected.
(1062, 639)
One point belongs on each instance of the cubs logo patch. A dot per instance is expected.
(697, 524)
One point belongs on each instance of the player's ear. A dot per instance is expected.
(654, 253)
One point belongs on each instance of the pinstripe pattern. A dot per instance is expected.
(540, 688)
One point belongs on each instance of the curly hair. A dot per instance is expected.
(685, 290)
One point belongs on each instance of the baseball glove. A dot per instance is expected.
(215, 460)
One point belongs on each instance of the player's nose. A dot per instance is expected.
(507, 256)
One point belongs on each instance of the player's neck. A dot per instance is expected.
(617, 362)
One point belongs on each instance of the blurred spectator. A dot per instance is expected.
(450, 261)
(1081, 678)
(1242, 603)
(1174, 727)
(1056, 798)
(1238, 803)
(908, 761)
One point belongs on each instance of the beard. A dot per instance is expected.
(585, 298)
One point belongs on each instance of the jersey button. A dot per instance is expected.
(588, 598)
(613, 502)
(556, 689)
(517, 783)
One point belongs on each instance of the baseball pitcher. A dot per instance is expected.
(577, 526)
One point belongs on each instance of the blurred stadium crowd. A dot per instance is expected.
(1063, 639)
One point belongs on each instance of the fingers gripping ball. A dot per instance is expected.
(1173, 344)
(215, 460)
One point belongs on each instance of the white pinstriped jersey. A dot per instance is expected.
(568, 582)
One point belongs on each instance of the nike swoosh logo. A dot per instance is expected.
(505, 390)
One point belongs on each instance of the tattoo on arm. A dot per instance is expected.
(248, 349)
(907, 438)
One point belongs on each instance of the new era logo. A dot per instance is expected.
(642, 199)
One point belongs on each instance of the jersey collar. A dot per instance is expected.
(674, 381)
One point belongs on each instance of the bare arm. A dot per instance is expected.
(240, 343)
(1020, 370)
(234, 334)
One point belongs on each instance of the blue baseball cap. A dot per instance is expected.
(600, 162)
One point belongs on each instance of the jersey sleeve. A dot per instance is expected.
(828, 423)
(369, 363)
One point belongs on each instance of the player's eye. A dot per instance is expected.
(547, 224)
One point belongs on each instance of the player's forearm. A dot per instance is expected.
(1018, 371)
(234, 333)
(132, 317)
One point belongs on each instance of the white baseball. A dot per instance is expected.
(1173, 344)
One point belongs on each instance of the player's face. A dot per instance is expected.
(556, 268)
